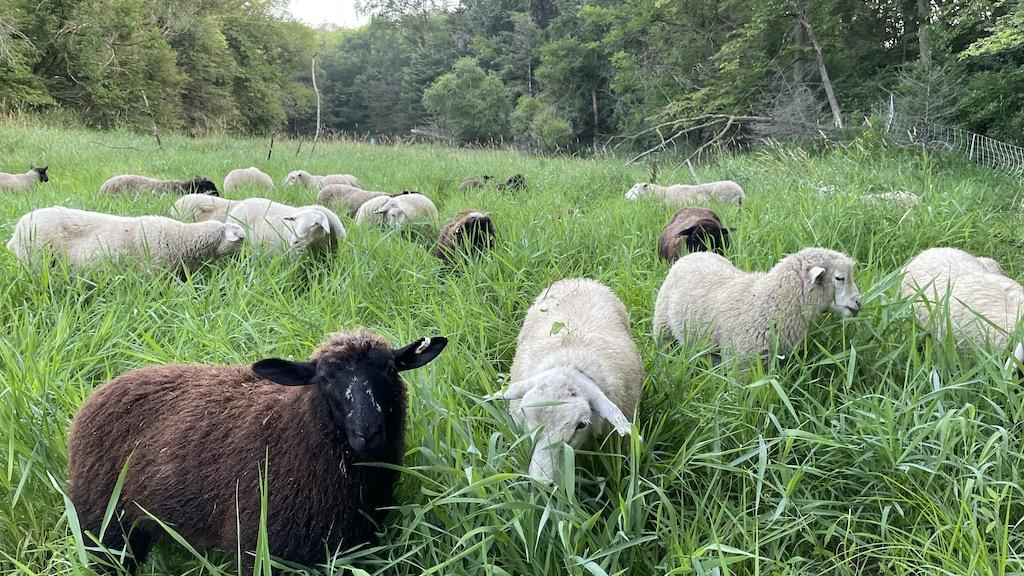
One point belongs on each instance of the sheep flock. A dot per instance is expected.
(196, 436)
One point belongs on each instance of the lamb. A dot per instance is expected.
(514, 183)
(201, 207)
(698, 228)
(983, 305)
(468, 231)
(576, 368)
(133, 184)
(251, 176)
(199, 440)
(472, 183)
(396, 210)
(317, 182)
(85, 238)
(745, 312)
(343, 196)
(725, 191)
(23, 182)
(279, 226)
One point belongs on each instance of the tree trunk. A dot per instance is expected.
(316, 137)
(832, 102)
(923, 16)
(593, 102)
(798, 59)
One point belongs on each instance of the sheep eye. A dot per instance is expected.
(840, 278)
(581, 425)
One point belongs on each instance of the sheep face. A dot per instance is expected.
(709, 238)
(295, 177)
(41, 171)
(636, 191)
(392, 214)
(306, 228)
(201, 185)
(835, 285)
(565, 406)
(232, 239)
(361, 391)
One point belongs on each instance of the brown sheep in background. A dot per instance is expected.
(699, 229)
(197, 440)
(474, 183)
(468, 231)
(344, 198)
(514, 183)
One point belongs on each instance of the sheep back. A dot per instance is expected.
(696, 229)
(470, 229)
(251, 176)
(344, 197)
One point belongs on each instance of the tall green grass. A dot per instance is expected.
(872, 450)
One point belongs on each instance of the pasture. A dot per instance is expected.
(873, 449)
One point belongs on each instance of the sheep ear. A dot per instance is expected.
(324, 223)
(285, 372)
(233, 233)
(419, 352)
(600, 404)
(816, 274)
(686, 232)
(725, 232)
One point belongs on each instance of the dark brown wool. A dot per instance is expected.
(695, 228)
(471, 230)
(197, 185)
(472, 183)
(197, 434)
(514, 183)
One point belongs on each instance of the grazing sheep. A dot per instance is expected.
(23, 182)
(514, 183)
(283, 227)
(468, 231)
(85, 238)
(200, 440)
(982, 304)
(744, 312)
(317, 182)
(201, 207)
(133, 184)
(251, 176)
(396, 210)
(698, 228)
(576, 368)
(725, 191)
(344, 197)
(472, 183)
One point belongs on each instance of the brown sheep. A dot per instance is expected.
(471, 230)
(514, 183)
(699, 228)
(198, 438)
(342, 197)
(472, 183)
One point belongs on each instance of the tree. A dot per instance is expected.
(471, 104)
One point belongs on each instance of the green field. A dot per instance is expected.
(872, 450)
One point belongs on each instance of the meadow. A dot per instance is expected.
(872, 449)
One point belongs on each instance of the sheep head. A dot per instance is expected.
(232, 237)
(40, 171)
(637, 190)
(828, 280)
(306, 227)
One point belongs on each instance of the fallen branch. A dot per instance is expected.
(114, 147)
(710, 142)
(316, 137)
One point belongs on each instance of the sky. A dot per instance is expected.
(316, 12)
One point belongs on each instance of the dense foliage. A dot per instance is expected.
(596, 69)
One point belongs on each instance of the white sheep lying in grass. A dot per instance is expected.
(283, 227)
(982, 304)
(396, 210)
(86, 237)
(725, 191)
(745, 312)
(23, 182)
(201, 207)
(317, 182)
(251, 176)
(576, 368)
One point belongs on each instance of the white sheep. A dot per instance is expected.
(745, 312)
(899, 197)
(343, 196)
(85, 238)
(201, 207)
(23, 182)
(283, 227)
(576, 368)
(982, 304)
(682, 194)
(251, 176)
(317, 182)
(396, 210)
(133, 184)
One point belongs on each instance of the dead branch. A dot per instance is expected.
(98, 143)
(823, 72)
(717, 137)
(710, 120)
(316, 137)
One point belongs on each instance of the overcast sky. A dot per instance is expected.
(317, 12)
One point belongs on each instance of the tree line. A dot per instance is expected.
(547, 74)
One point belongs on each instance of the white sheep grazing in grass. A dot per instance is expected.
(745, 312)
(251, 176)
(284, 227)
(23, 182)
(344, 196)
(982, 304)
(396, 210)
(725, 191)
(86, 237)
(576, 368)
(201, 207)
(317, 182)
